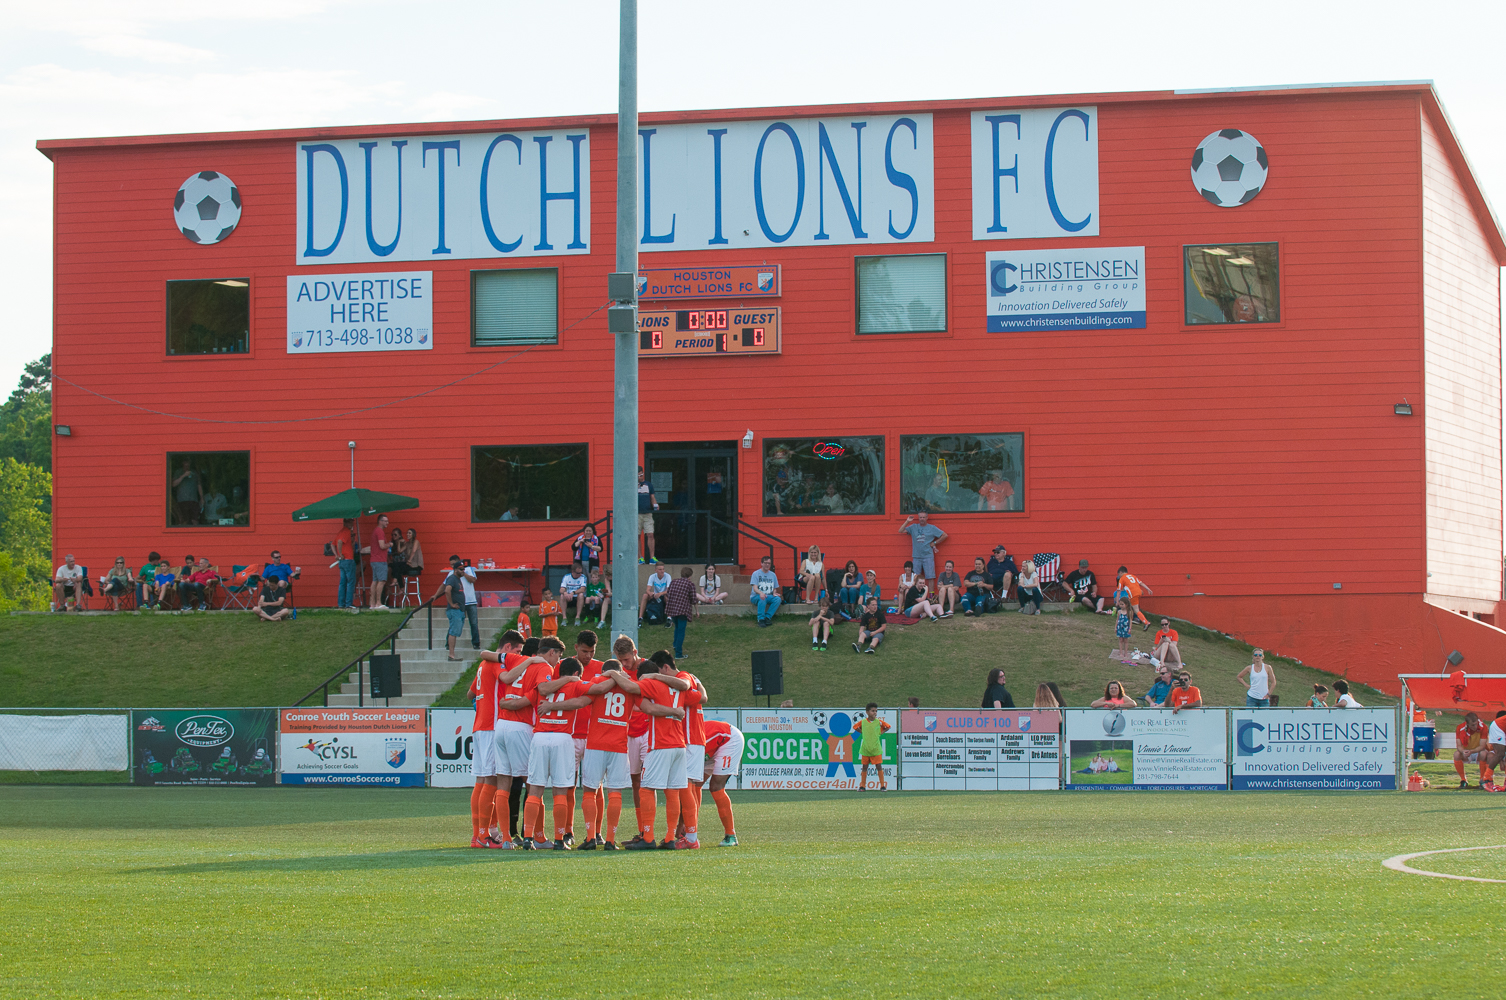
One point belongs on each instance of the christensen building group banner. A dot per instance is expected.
(1147, 750)
(811, 749)
(353, 746)
(1300, 748)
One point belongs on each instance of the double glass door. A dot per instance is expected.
(695, 484)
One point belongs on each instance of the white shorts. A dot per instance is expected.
(580, 750)
(551, 762)
(512, 740)
(664, 768)
(604, 768)
(483, 757)
(1496, 736)
(637, 747)
(1473, 756)
(729, 757)
(695, 763)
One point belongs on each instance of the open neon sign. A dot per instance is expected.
(829, 450)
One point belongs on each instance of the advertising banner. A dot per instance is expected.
(450, 747)
(204, 746)
(729, 716)
(735, 281)
(1147, 750)
(1300, 748)
(353, 746)
(341, 313)
(1035, 173)
(1078, 288)
(995, 749)
(811, 749)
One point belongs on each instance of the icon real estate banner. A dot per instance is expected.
(204, 746)
(1300, 748)
(811, 749)
(353, 746)
(995, 749)
(1147, 750)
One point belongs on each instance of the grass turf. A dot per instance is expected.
(122, 892)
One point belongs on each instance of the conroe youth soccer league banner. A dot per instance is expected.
(811, 749)
(994, 749)
(353, 746)
(204, 746)
(1147, 749)
(1299, 748)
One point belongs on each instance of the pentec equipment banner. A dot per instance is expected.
(811, 749)
(1075, 288)
(1300, 748)
(451, 747)
(1147, 750)
(995, 749)
(353, 746)
(204, 746)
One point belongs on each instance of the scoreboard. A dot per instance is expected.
(665, 333)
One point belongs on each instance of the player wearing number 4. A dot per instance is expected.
(871, 751)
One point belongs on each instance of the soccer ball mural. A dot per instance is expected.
(1229, 168)
(207, 208)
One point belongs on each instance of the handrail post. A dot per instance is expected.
(431, 625)
(361, 683)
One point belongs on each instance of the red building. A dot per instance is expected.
(1246, 342)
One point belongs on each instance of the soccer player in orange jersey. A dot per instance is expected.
(664, 764)
(724, 755)
(626, 653)
(1495, 741)
(695, 750)
(484, 689)
(590, 672)
(1469, 745)
(1132, 583)
(513, 731)
(551, 763)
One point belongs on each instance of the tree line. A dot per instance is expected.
(26, 491)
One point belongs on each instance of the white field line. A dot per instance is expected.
(1399, 864)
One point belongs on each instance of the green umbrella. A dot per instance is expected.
(353, 502)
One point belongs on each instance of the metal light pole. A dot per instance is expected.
(623, 324)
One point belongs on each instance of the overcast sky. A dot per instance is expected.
(125, 67)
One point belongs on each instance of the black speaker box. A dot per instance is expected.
(768, 672)
(386, 675)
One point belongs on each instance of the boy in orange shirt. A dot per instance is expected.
(1135, 586)
(525, 627)
(548, 611)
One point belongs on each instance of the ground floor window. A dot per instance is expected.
(962, 472)
(530, 482)
(208, 488)
(833, 475)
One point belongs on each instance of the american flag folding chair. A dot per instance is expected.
(1049, 566)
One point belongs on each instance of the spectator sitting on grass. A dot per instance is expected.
(764, 592)
(852, 582)
(979, 589)
(871, 628)
(821, 623)
(906, 581)
(1166, 644)
(271, 605)
(812, 574)
(918, 603)
(68, 585)
(709, 589)
(995, 694)
(870, 588)
(948, 589)
(1156, 696)
(1029, 589)
(116, 583)
(1183, 694)
(1084, 585)
(573, 590)
(1114, 697)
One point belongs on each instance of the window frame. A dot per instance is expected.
(1280, 284)
(586, 516)
(167, 483)
(883, 487)
(167, 317)
(857, 296)
(558, 313)
(1022, 493)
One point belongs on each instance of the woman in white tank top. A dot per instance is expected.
(1260, 681)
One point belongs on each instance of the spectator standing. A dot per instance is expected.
(764, 592)
(653, 592)
(997, 493)
(1122, 627)
(472, 602)
(979, 588)
(913, 702)
(647, 504)
(1045, 697)
(870, 588)
(379, 548)
(414, 555)
(1132, 583)
(948, 589)
(598, 597)
(812, 574)
(344, 547)
(1002, 570)
(188, 494)
(679, 601)
(146, 579)
(548, 610)
(588, 547)
(1084, 585)
(573, 590)
(1061, 699)
(214, 506)
(871, 629)
(397, 564)
(117, 583)
(924, 537)
(1345, 699)
(852, 582)
(68, 585)
(709, 589)
(821, 623)
(918, 603)
(995, 694)
(1029, 589)
(1259, 681)
(1114, 697)
(271, 604)
(1166, 644)
(453, 589)
(1183, 694)
(1156, 696)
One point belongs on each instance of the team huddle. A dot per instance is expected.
(563, 722)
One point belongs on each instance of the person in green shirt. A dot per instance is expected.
(871, 750)
(146, 578)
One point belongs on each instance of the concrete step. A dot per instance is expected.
(431, 690)
(406, 701)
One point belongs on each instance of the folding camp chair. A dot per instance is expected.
(238, 596)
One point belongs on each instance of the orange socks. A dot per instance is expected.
(689, 811)
(672, 803)
(477, 830)
(1459, 766)
(724, 810)
(563, 814)
(570, 812)
(588, 805)
(614, 813)
(533, 816)
(638, 809)
(646, 807)
(601, 807)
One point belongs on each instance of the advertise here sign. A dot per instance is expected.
(1042, 291)
(1146, 750)
(812, 749)
(1300, 748)
(996, 749)
(225, 746)
(339, 313)
(352, 746)
(451, 747)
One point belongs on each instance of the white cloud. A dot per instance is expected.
(147, 49)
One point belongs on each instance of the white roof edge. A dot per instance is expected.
(1306, 86)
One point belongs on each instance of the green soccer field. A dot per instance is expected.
(124, 892)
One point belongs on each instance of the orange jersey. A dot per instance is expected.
(549, 617)
(557, 722)
(1168, 635)
(717, 735)
(695, 722)
(525, 627)
(484, 693)
(609, 714)
(590, 673)
(1131, 583)
(639, 722)
(665, 733)
(523, 687)
(1467, 741)
(1182, 696)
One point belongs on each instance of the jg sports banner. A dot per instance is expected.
(1147, 750)
(811, 749)
(1301, 748)
(451, 747)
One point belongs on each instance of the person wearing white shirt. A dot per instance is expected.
(573, 588)
(658, 583)
(813, 574)
(709, 589)
(764, 592)
(67, 585)
(1345, 699)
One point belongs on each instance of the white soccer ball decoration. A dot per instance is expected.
(207, 208)
(818, 718)
(1229, 168)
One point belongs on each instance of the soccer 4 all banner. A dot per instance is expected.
(1301, 748)
(451, 747)
(204, 746)
(812, 749)
(353, 746)
(1147, 750)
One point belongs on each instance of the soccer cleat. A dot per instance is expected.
(608, 845)
(639, 844)
(560, 845)
(687, 845)
(498, 845)
(728, 841)
(527, 844)
(1463, 783)
(570, 839)
(589, 845)
(478, 842)
(666, 844)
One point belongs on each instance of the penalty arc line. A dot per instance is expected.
(1399, 864)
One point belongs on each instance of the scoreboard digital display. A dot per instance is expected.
(688, 332)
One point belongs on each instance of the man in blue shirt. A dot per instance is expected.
(1003, 570)
(924, 537)
(276, 569)
(765, 592)
(647, 504)
(1156, 696)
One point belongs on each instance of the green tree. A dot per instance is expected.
(26, 417)
(25, 536)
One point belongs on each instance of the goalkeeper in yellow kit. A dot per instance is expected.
(871, 751)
